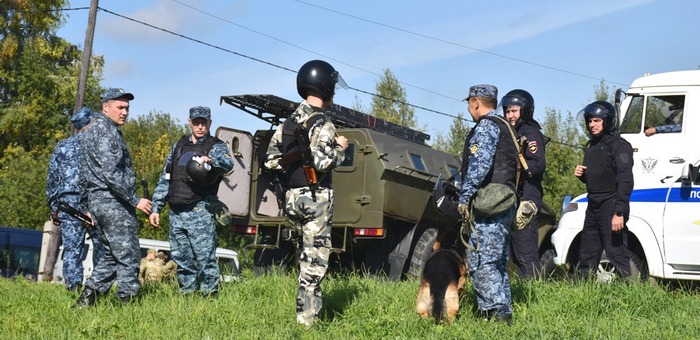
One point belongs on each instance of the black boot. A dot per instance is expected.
(87, 298)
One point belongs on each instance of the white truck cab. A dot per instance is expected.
(664, 223)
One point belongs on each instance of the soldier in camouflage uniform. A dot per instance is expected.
(189, 182)
(489, 156)
(108, 186)
(310, 207)
(62, 186)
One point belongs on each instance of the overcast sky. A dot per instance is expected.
(556, 50)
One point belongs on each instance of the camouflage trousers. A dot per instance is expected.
(313, 220)
(118, 232)
(488, 265)
(193, 248)
(73, 240)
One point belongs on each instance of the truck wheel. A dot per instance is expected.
(422, 251)
(607, 272)
(269, 261)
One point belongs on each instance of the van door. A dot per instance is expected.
(681, 226)
(234, 190)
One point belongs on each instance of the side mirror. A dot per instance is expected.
(689, 174)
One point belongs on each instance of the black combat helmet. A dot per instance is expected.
(520, 98)
(319, 77)
(198, 174)
(601, 109)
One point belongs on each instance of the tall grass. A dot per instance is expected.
(354, 308)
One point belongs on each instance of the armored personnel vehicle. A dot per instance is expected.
(385, 220)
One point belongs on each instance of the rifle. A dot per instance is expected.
(301, 134)
(63, 206)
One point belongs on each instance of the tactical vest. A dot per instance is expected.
(505, 163)
(181, 190)
(600, 174)
(293, 172)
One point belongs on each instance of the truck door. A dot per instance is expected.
(681, 225)
(234, 190)
(349, 180)
(658, 159)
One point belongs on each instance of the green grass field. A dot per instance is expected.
(354, 308)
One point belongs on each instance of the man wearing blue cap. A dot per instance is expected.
(62, 186)
(189, 182)
(489, 156)
(109, 182)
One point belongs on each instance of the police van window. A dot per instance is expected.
(417, 161)
(664, 111)
(632, 123)
(349, 155)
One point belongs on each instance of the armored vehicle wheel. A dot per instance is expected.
(269, 261)
(422, 251)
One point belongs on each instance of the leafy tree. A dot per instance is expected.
(453, 143)
(563, 152)
(38, 82)
(390, 102)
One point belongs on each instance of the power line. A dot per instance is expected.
(284, 68)
(263, 61)
(456, 44)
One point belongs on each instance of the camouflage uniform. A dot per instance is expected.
(487, 265)
(192, 227)
(311, 218)
(109, 182)
(62, 185)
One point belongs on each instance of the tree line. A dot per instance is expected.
(38, 83)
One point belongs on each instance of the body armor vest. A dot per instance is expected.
(182, 191)
(600, 175)
(505, 161)
(293, 172)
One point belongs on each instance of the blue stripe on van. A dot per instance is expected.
(657, 195)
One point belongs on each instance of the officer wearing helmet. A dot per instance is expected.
(309, 196)
(518, 108)
(189, 183)
(607, 173)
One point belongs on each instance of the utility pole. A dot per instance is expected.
(85, 62)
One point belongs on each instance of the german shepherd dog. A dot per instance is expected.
(443, 280)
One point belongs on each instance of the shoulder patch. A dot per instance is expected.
(532, 146)
(113, 146)
(473, 149)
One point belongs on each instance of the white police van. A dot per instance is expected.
(664, 224)
(229, 265)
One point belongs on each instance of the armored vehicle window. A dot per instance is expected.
(453, 170)
(417, 161)
(349, 156)
(664, 110)
(632, 123)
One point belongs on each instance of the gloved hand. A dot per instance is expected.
(463, 210)
(526, 211)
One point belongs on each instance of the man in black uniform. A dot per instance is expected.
(607, 172)
(518, 108)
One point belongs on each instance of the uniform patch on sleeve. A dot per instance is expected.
(532, 146)
(473, 149)
(113, 146)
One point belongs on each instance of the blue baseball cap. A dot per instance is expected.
(200, 112)
(115, 93)
(483, 91)
(82, 117)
